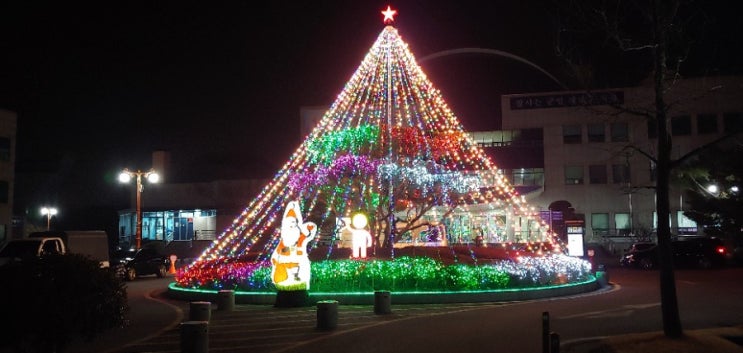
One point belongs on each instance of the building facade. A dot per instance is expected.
(594, 162)
(184, 211)
(8, 128)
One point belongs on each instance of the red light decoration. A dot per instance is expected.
(388, 15)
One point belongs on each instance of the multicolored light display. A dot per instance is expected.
(388, 141)
(407, 274)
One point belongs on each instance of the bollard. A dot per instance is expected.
(194, 337)
(545, 332)
(382, 302)
(200, 311)
(602, 278)
(554, 342)
(226, 300)
(327, 314)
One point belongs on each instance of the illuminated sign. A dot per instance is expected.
(567, 100)
(575, 244)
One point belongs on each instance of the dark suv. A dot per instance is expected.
(129, 264)
(689, 252)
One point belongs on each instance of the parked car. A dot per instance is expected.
(694, 252)
(132, 263)
(17, 250)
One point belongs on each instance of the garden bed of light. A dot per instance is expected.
(420, 274)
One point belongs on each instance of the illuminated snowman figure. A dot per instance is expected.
(290, 264)
(360, 237)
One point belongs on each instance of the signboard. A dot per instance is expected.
(575, 230)
(567, 100)
(575, 244)
(575, 238)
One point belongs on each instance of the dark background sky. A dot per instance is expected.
(98, 86)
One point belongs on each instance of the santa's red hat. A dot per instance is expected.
(290, 213)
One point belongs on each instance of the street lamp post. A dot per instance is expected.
(151, 176)
(48, 212)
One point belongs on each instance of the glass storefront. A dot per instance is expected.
(168, 225)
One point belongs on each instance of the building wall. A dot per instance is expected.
(309, 117)
(555, 112)
(8, 128)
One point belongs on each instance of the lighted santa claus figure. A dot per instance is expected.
(360, 237)
(291, 265)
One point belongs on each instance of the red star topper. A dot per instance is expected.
(388, 15)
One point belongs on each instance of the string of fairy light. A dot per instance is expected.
(353, 151)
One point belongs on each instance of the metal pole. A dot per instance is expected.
(138, 236)
(554, 342)
(546, 332)
(48, 220)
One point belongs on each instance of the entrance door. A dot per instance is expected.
(182, 228)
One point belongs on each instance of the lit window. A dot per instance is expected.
(622, 223)
(600, 223)
(573, 175)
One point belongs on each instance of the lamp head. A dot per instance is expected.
(153, 177)
(125, 176)
(51, 211)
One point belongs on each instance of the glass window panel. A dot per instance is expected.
(655, 219)
(596, 133)
(571, 134)
(573, 175)
(622, 221)
(600, 220)
(733, 122)
(619, 132)
(620, 173)
(681, 125)
(707, 124)
(685, 222)
(528, 176)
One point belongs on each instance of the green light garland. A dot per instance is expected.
(323, 150)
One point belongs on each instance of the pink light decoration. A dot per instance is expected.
(344, 166)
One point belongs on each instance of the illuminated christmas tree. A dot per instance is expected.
(388, 147)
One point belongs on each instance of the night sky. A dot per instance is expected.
(98, 86)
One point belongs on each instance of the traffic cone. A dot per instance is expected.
(172, 264)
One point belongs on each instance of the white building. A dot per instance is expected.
(592, 155)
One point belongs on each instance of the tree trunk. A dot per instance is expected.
(668, 298)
